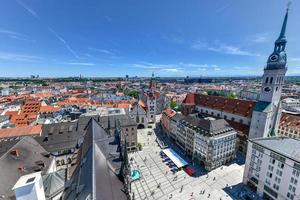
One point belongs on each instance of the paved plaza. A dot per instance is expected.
(158, 182)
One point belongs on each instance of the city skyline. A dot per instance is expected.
(134, 38)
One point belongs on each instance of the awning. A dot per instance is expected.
(176, 159)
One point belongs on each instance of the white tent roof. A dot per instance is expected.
(176, 159)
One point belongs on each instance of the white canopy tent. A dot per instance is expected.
(176, 159)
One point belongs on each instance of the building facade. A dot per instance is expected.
(289, 126)
(138, 113)
(209, 142)
(165, 120)
(272, 167)
(291, 104)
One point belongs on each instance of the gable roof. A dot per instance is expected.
(20, 160)
(210, 126)
(96, 176)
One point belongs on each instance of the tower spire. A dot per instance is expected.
(278, 59)
(283, 28)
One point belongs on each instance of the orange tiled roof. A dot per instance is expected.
(80, 101)
(11, 113)
(189, 99)
(41, 95)
(23, 119)
(48, 109)
(288, 120)
(169, 112)
(235, 106)
(31, 107)
(20, 131)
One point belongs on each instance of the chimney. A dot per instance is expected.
(29, 187)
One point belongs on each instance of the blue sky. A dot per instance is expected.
(137, 37)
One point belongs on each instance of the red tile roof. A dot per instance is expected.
(20, 131)
(23, 119)
(31, 107)
(169, 112)
(291, 121)
(235, 106)
(48, 109)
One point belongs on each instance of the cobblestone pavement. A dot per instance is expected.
(158, 182)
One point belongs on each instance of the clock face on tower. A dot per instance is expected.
(274, 57)
(267, 89)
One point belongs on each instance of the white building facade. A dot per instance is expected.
(272, 168)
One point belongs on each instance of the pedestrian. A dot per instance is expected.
(192, 194)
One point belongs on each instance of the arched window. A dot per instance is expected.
(267, 79)
(271, 80)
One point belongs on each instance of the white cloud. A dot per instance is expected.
(103, 51)
(174, 39)
(180, 68)
(31, 11)
(294, 59)
(19, 57)
(260, 38)
(199, 45)
(80, 63)
(108, 18)
(51, 30)
(221, 48)
(15, 35)
(63, 41)
(172, 70)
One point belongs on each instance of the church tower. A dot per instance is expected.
(151, 101)
(152, 84)
(267, 111)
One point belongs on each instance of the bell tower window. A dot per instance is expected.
(271, 80)
(267, 79)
